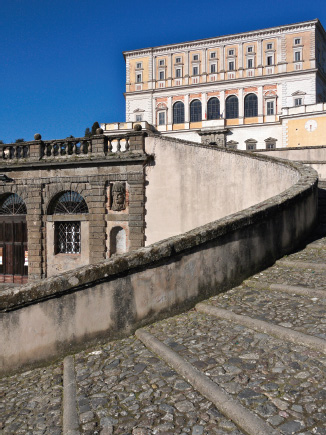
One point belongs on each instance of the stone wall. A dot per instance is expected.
(114, 297)
(190, 185)
(41, 176)
(314, 156)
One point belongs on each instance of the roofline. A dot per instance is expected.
(214, 38)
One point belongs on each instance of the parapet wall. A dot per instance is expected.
(191, 184)
(110, 299)
(314, 156)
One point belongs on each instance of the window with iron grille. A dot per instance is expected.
(67, 233)
(232, 107)
(67, 237)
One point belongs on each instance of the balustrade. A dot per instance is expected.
(14, 151)
(117, 144)
(64, 148)
(86, 147)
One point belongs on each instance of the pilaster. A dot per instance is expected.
(260, 104)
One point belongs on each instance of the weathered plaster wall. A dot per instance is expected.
(312, 156)
(113, 298)
(190, 185)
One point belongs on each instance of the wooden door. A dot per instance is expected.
(13, 249)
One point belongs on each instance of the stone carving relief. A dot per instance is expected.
(118, 191)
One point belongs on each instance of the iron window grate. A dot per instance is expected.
(68, 237)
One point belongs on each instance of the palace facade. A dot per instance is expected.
(224, 90)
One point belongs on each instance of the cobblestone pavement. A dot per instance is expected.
(291, 311)
(31, 402)
(282, 383)
(124, 388)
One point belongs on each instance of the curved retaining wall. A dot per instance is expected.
(111, 299)
(314, 156)
(190, 184)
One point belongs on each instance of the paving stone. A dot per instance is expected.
(31, 402)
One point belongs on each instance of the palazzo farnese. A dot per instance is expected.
(253, 90)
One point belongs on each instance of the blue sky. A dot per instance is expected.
(61, 63)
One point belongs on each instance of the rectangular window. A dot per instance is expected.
(161, 63)
(139, 65)
(139, 118)
(178, 60)
(213, 55)
(297, 56)
(67, 235)
(250, 49)
(269, 46)
(195, 71)
(213, 68)
(161, 75)
(270, 145)
(231, 66)
(297, 41)
(178, 73)
(195, 57)
(231, 52)
(161, 118)
(298, 101)
(250, 63)
(269, 60)
(138, 78)
(270, 107)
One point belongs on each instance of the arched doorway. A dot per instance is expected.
(13, 239)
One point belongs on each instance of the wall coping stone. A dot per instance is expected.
(109, 269)
(290, 148)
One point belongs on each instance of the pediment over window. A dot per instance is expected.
(251, 140)
(298, 93)
(232, 142)
(138, 110)
(270, 139)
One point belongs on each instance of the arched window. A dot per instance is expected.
(12, 205)
(232, 107)
(68, 233)
(68, 202)
(250, 106)
(178, 113)
(213, 108)
(195, 111)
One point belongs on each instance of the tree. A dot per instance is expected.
(19, 140)
(94, 127)
(1, 142)
(88, 132)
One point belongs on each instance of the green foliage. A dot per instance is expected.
(94, 127)
(88, 132)
(1, 142)
(19, 140)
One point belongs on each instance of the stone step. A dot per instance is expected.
(246, 420)
(291, 289)
(302, 264)
(124, 388)
(269, 376)
(297, 313)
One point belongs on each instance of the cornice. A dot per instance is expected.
(226, 39)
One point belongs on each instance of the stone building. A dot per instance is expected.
(235, 90)
(67, 203)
